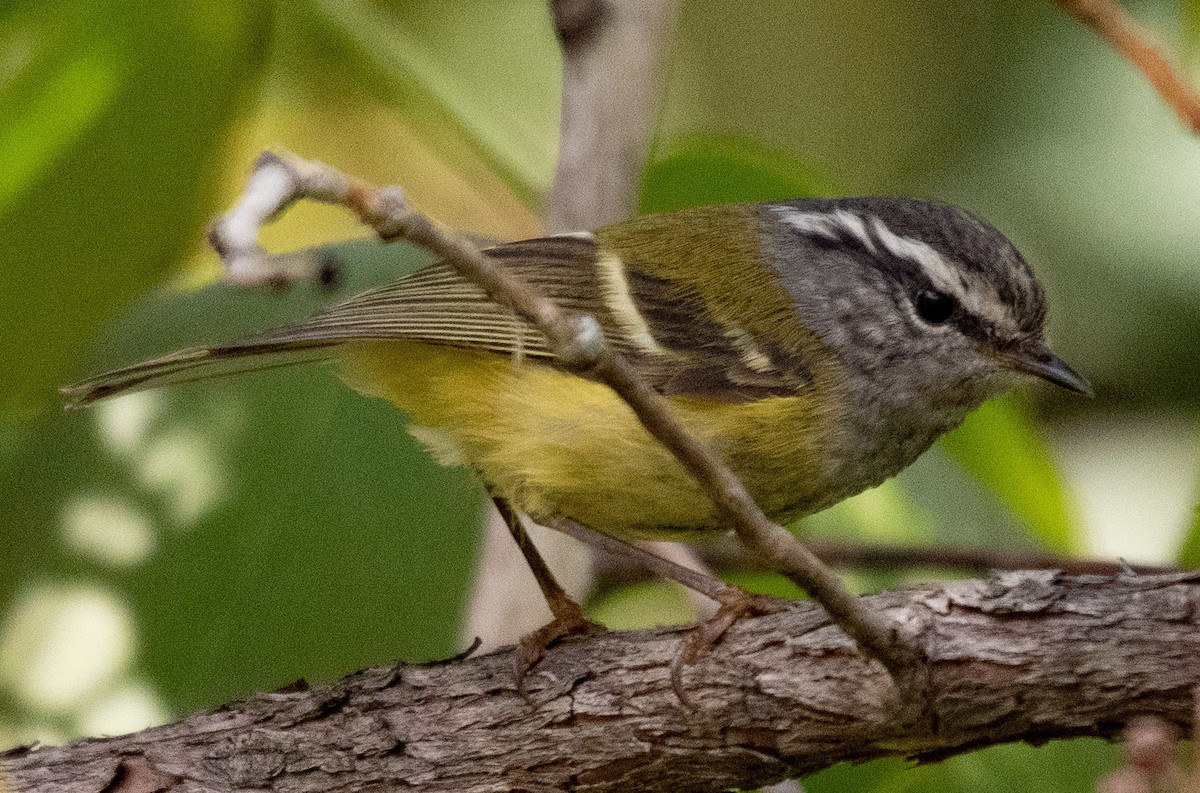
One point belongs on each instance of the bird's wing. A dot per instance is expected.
(663, 328)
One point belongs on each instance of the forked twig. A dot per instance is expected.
(579, 344)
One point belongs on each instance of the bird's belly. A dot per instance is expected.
(554, 443)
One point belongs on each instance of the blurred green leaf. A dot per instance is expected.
(1189, 552)
(998, 445)
(1191, 29)
(872, 777)
(642, 606)
(886, 513)
(699, 170)
(453, 70)
(42, 126)
(1058, 767)
(772, 584)
(98, 100)
(260, 528)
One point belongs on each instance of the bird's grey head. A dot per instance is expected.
(928, 308)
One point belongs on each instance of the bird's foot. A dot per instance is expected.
(568, 623)
(734, 604)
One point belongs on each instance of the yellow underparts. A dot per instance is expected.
(554, 443)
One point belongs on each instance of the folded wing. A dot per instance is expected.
(662, 327)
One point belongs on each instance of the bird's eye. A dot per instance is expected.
(934, 307)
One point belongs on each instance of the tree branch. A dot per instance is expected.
(1023, 656)
(1132, 41)
(613, 57)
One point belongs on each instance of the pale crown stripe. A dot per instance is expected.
(941, 273)
(831, 225)
(936, 268)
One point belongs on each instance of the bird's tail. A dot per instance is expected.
(434, 305)
(198, 363)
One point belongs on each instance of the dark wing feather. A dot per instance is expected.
(437, 305)
(669, 336)
(192, 364)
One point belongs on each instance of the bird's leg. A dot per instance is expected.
(733, 603)
(568, 619)
(697, 581)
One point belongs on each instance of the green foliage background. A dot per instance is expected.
(178, 549)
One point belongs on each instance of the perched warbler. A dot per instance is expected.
(817, 346)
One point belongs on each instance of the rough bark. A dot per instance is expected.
(1023, 656)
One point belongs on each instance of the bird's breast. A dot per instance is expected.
(555, 443)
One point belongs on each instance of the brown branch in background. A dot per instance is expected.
(1128, 37)
(975, 560)
(730, 557)
(1023, 656)
(862, 556)
(579, 344)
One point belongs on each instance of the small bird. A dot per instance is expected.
(818, 346)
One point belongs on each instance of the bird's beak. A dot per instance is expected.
(1040, 362)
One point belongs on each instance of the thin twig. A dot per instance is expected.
(578, 344)
(1132, 41)
(684, 556)
(874, 632)
(706, 585)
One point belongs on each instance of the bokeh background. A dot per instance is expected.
(172, 550)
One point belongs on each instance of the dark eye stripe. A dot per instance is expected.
(910, 277)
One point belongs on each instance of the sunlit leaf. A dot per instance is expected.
(642, 606)
(1058, 767)
(455, 70)
(885, 513)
